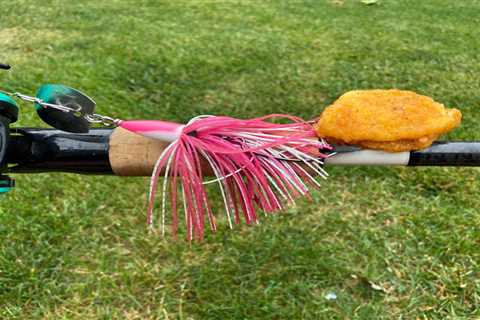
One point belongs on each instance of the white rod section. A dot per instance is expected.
(369, 157)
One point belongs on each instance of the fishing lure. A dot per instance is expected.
(256, 163)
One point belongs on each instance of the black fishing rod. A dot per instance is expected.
(34, 150)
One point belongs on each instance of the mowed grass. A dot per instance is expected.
(399, 243)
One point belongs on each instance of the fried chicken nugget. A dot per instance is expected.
(391, 120)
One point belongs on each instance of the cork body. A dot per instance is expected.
(131, 154)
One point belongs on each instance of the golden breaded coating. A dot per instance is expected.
(391, 120)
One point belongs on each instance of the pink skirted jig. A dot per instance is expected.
(257, 165)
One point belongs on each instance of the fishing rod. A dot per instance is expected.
(254, 162)
(109, 151)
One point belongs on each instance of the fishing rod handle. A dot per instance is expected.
(100, 151)
(33, 150)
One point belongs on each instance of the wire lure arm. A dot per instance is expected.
(61, 107)
(65, 108)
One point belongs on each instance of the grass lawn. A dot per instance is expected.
(399, 243)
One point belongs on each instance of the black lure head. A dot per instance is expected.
(64, 108)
